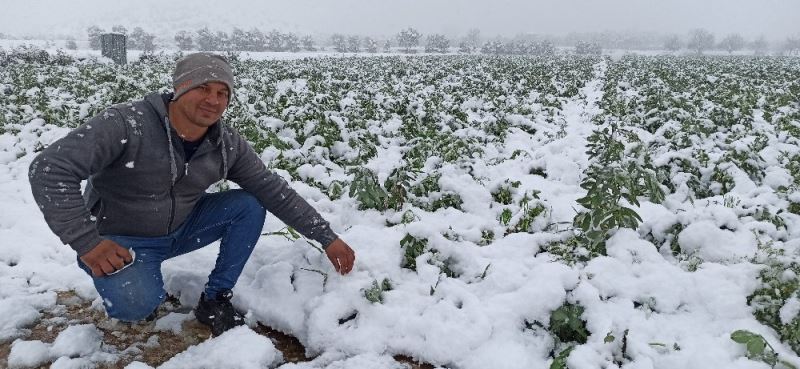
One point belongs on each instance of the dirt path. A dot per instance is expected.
(142, 342)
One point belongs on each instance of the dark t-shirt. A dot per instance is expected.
(190, 147)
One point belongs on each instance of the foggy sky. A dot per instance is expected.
(775, 19)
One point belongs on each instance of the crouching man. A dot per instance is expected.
(148, 164)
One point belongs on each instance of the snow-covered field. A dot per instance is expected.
(457, 181)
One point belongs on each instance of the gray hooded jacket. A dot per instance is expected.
(139, 183)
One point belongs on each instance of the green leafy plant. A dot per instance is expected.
(374, 294)
(758, 348)
(722, 179)
(487, 237)
(428, 184)
(503, 194)
(779, 283)
(611, 179)
(415, 247)
(566, 324)
(335, 190)
(445, 200)
(366, 189)
(505, 216)
(412, 248)
(445, 265)
(408, 217)
(397, 187)
(529, 214)
(560, 361)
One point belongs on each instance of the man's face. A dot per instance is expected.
(204, 104)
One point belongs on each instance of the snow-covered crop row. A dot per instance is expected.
(506, 212)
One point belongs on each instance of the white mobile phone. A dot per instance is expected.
(133, 259)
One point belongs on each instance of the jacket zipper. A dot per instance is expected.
(172, 195)
(171, 209)
(172, 191)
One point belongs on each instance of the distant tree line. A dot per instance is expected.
(137, 39)
(243, 40)
(701, 40)
(588, 48)
(792, 46)
(410, 40)
(696, 41)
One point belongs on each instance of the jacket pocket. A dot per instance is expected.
(99, 212)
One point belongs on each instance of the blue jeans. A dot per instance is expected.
(236, 217)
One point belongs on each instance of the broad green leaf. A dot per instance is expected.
(560, 361)
(755, 347)
(743, 336)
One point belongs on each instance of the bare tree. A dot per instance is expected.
(206, 40)
(339, 42)
(354, 44)
(493, 47)
(437, 44)
(239, 40)
(291, 42)
(184, 40)
(673, 43)
(148, 43)
(223, 41)
(473, 40)
(408, 39)
(791, 46)
(700, 40)
(464, 48)
(308, 43)
(94, 33)
(275, 41)
(370, 45)
(732, 42)
(256, 40)
(759, 46)
(141, 40)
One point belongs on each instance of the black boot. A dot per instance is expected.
(218, 313)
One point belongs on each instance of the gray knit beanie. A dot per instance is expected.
(196, 69)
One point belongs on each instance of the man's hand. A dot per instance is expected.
(107, 257)
(342, 256)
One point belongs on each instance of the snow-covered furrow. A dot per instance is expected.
(482, 295)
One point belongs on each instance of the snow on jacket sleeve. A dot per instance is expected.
(56, 173)
(249, 172)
